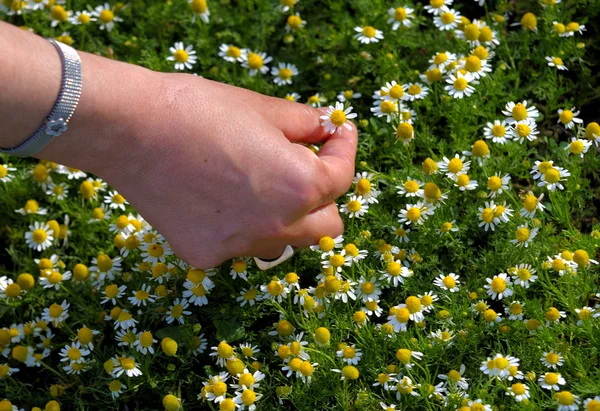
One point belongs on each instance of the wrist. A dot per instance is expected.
(106, 127)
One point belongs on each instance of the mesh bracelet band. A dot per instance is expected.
(68, 97)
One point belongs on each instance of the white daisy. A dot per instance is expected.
(106, 17)
(368, 34)
(520, 112)
(447, 19)
(556, 62)
(459, 85)
(400, 16)
(184, 57)
(336, 117)
(39, 237)
(255, 61)
(356, 207)
(283, 73)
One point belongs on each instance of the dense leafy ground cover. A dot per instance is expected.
(466, 276)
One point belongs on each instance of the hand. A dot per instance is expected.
(216, 169)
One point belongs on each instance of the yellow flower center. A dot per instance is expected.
(523, 129)
(55, 310)
(576, 147)
(404, 131)
(566, 116)
(402, 315)
(529, 21)
(74, 353)
(326, 243)
(413, 214)
(349, 352)
(83, 18)
(59, 13)
(394, 269)
(552, 175)
(286, 74)
(338, 117)
(400, 14)
(224, 350)
(449, 282)
(414, 89)
(455, 165)
(494, 183)
(413, 304)
(551, 378)
(480, 149)
(436, 4)
(585, 314)
(368, 287)
(39, 236)
(55, 277)
(199, 6)
(557, 61)
(388, 107)
(369, 32)
(294, 22)
(177, 311)
(498, 285)
(473, 64)
(522, 234)
(447, 18)
(471, 32)
(233, 51)
(239, 266)
(565, 398)
(552, 314)
(516, 308)
(255, 61)
(275, 288)
(106, 16)
(490, 315)
(181, 56)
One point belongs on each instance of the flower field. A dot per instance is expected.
(466, 277)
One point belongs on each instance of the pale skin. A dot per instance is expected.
(217, 169)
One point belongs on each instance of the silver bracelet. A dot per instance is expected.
(56, 122)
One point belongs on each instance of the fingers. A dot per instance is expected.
(337, 157)
(320, 222)
(300, 123)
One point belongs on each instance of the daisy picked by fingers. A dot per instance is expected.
(336, 117)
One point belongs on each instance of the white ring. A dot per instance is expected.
(288, 252)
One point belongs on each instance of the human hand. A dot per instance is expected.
(216, 169)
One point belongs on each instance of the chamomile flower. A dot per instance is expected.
(116, 388)
(553, 177)
(524, 275)
(556, 62)
(58, 191)
(392, 91)
(524, 235)
(453, 167)
(177, 311)
(368, 34)
(400, 16)
(283, 74)
(247, 380)
(447, 282)
(464, 182)
(56, 314)
(32, 207)
(515, 310)
(401, 233)
(142, 296)
(316, 100)
(532, 204)
(350, 354)
(447, 227)
(112, 292)
(498, 287)
(368, 289)
(405, 386)
(454, 379)
(274, 290)
(497, 184)
(524, 130)
(54, 279)
(552, 359)
(292, 97)
(436, 7)
(239, 268)
(5, 175)
(488, 217)
(83, 17)
(230, 53)
(520, 112)
(519, 391)
(475, 67)
(348, 95)
(74, 353)
(447, 19)
(327, 245)
(294, 22)
(125, 365)
(184, 57)
(578, 146)
(255, 61)
(106, 17)
(568, 118)
(385, 108)
(337, 117)
(115, 200)
(410, 188)
(39, 237)
(356, 207)
(553, 316)
(395, 273)
(365, 187)
(585, 314)
(442, 60)
(415, 91)
(551, 381)
(567, 401)
(414, 213)
(405, 132)
(248, 296)
(199, 9)
(337, 261)
(103, 266)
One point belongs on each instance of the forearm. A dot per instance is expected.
(115, 100)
